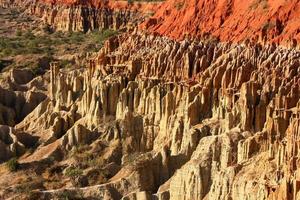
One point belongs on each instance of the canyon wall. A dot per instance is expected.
(203, 120)
(189, 119)
(263, 21)
(76, 16)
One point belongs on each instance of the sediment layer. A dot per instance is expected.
(258, 20)
(85, 16)
(203, 120)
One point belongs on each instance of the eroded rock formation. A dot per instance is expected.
(174, 120)
(83, 16)
(148, 117)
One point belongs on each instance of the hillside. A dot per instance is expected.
(229, 20)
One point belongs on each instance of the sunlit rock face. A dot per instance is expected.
(84, 16)
(182, 120)
(79, 18)
(234, 21)
(170, 120)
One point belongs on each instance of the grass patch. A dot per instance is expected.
(27, 189)
(13, 165)
(83, 155)
(73, 172)
(70, 195)
(26, 43)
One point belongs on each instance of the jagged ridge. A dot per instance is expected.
(202, 116)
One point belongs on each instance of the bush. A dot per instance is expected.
(47, 28)
(19, 32)
(36, 70)
(12, 165)
(77, 37)
(29, 35)
(68, 194)
(65, 63)
(73, 172)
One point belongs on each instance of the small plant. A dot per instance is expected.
(65, 63)
(77, 37)
(19, 32)
(73, 172)
(47, 29)
(263, 3)
(268, 25)
(24, 188)
(12, 165)
(29, 35)
(179, 5)
(78, 149)
(36, 70)
(68, 195)
(150, 14)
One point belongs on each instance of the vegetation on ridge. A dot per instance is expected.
(12, 165)
(23, 46)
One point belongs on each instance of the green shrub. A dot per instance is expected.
(7, 52)
(73, 172)
(19, 32)
(36, 70)
(12, 165)
(29, 35)
(65, 63)
(77, 37)
(47, 29)
(68, 195)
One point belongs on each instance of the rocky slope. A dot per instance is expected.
(229, 20)
(173, 120)
(86, 15)
(149, 117)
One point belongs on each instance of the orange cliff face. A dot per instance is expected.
(229, 20)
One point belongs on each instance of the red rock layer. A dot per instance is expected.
(230, 20)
